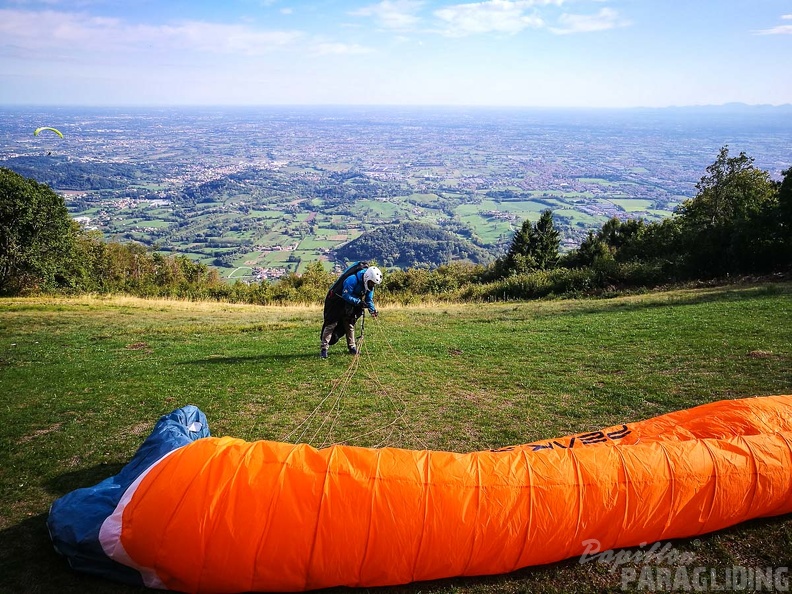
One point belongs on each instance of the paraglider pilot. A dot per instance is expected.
(344, 304)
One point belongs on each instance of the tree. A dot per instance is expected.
(621, 236)
(36, 234)
(732, 190)
(784, 218)
(725, 224)
(785, 197)
(592, 249)
(533, 247)
(547, 240)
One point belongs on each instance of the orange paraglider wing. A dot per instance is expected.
(225, 515)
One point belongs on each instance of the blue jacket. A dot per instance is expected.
(355, 292)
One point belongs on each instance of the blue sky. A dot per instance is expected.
(543, 53)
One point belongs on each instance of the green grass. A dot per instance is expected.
(633, 204)
(524, 209)
(274, 259)
(310, 243)
(597, 180)
(422, 198)
(489, 230)
(475, 208)
(381, 208)
(83, 381)
(157, 223)
(267, 214)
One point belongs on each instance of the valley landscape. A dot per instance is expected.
(260, 191)
(582, 213)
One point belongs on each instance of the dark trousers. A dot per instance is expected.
(339, 320)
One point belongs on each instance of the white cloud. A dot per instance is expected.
(221, 38)
(605, 19)
(492, 16)
(325, 48)
(74, 32)
(780, 29)
(399, 15)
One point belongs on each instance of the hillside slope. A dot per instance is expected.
(409, 245)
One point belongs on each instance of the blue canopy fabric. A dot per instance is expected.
(75, 519)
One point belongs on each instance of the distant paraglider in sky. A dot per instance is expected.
(38, 130)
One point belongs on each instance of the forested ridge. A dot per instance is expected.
(739, 223)
(68, 174)
(411, 245)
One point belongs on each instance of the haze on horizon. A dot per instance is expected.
(531, 53)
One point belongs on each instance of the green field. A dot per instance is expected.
(488, 229)
(312, 244)
(380, 208)
(154, 224)
(598, 181)
(422, 198)
(240, 272)
(84, 380)
(267, 214)
(245, 219)
(633, 204)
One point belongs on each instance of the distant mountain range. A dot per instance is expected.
(730, 108)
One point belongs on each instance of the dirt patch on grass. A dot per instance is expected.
(40, 432)
(477, 397)
(139, 346)
(140, 429)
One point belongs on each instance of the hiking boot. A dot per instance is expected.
(323, 354)
(352, 351)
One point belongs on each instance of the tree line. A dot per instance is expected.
(738, 223)
(411, 245)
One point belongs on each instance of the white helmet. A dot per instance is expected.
(372, 276)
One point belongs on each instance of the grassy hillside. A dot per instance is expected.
(83, 381)
(408, 245)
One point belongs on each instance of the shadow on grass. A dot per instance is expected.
(251, 359)
(85, 477)
(30, 564)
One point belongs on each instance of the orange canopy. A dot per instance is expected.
(225, 515)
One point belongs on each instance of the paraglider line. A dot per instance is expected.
(308, 420)
(398, 404)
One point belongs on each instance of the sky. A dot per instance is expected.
(535, 53)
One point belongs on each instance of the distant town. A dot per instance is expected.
(259, 192)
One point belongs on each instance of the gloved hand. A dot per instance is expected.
(374, 313)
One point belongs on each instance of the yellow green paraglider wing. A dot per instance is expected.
(58, 132)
